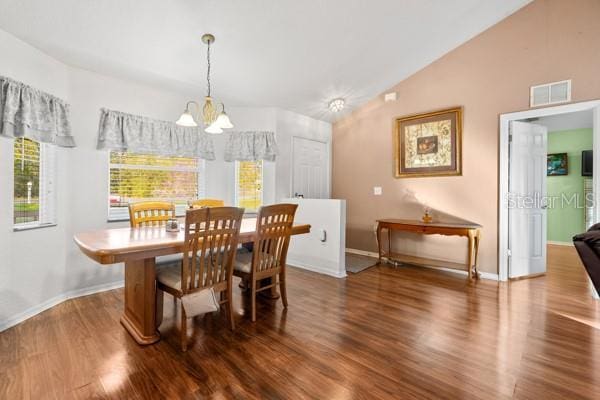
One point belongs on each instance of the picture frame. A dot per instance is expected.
(557, 164)
(428, 144)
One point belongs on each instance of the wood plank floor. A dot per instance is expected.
(402, 333)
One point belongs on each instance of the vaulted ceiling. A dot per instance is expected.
(292, 54)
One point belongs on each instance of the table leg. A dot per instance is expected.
(470, 255)
(389, 252)
(477, 240)
(379, 241)
(139, 317)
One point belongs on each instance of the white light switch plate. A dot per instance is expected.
(377, 191)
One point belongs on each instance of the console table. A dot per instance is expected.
(470, 231)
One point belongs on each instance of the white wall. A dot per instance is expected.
(277, 175)
(32, 263)
(309, 251)
(289, 125)
(87, 174)
(39, 268)
(220, 175)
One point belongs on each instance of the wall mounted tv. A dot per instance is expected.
(587, 163)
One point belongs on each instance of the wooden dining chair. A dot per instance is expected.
(155, 213)
(150, 213)
(269, 251)
(211, 238)
(206, 203)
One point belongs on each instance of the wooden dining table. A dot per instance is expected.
(138, 249)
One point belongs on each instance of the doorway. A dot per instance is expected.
(523, 197)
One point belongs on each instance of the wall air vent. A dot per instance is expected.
(550, 93)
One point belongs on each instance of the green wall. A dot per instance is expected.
(566, 221)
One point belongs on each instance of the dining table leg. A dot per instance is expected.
(139, 316)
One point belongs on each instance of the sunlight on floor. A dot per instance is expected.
(116, 372)
(590, 322)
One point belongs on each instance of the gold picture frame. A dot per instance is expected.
(428, 144)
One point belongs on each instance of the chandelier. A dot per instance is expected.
(213, 122)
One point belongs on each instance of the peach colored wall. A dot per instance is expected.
(548, 40)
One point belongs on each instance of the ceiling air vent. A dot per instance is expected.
(550, 93)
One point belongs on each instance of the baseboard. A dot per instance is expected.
(362, 252)
(482, 275)
(489, 276)
(559, 243)
(56, 300)
(313, 268)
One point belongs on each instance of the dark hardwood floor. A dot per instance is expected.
(402, 333)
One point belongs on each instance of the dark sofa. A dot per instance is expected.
(588, 247)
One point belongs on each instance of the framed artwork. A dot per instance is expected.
(428, 144)
(558, 164)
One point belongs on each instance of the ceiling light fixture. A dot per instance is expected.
(213, 123)
(187, 119)
(223, 120)
(337, 105)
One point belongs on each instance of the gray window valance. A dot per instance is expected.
(126, 132)
(251, 146)
(31, 113)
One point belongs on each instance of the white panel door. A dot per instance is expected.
(310, 169)
(527, 203)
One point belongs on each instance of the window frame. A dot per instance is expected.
(47, 193)
(262, 185)
(123, 215)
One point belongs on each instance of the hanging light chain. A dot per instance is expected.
(208, 69)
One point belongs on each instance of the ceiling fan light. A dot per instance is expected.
(186, 119)
(213, 128)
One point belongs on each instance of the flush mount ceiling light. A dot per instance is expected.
(213, 123)
(337, 105)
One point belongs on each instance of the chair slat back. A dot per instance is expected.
(150, 213)
(211, 234)
(273, 230)
(206, 203)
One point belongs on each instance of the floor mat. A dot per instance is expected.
(356, 263)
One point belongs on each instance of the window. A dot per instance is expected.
(144, 177)
(33, 194)
(248, 184)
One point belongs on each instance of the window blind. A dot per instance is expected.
(48, 184)
(248, 184)
(147, 177)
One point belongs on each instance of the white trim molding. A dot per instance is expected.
(56, 300)
(559, 243)
(362, 253)
(483, 275)
(504, 123)
(315, 268)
